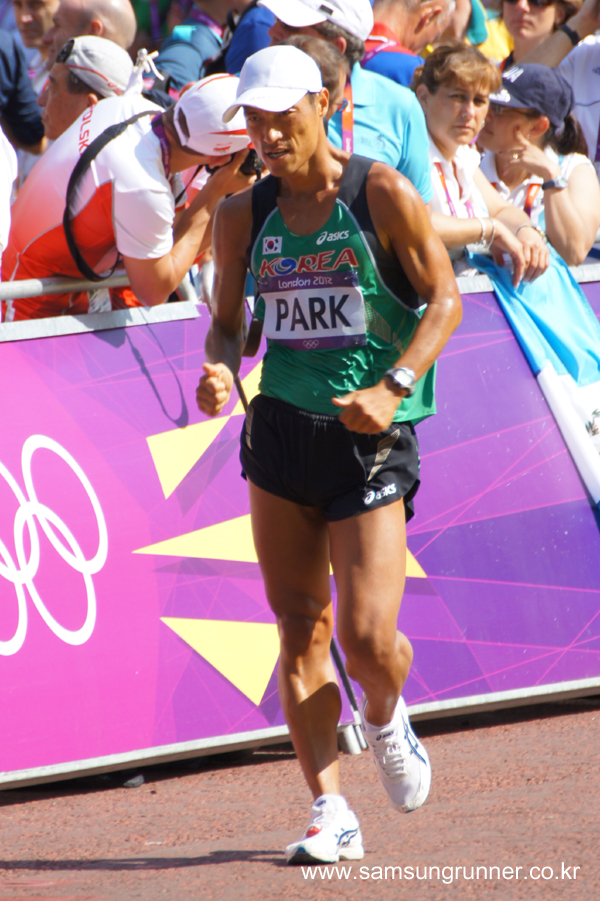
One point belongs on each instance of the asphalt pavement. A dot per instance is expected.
(514, 804)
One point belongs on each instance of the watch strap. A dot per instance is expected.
(559, 182)
(571, 34)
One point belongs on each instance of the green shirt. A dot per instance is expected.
(333, 324)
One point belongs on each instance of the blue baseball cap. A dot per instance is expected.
(531, 86)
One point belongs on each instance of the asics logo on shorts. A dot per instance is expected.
(378, 495)
(332, 236)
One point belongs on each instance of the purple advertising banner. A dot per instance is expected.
(132, 611)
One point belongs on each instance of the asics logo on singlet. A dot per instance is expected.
(332, 236)
(378, 495)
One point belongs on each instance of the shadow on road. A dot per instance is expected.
(145, 863)
(485, 719)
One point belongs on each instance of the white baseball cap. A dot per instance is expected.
(274, 79)
(354, 16)
(198, 117)
(103, 66)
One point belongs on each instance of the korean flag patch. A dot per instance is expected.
(271, 245)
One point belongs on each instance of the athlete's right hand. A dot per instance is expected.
(214, 388)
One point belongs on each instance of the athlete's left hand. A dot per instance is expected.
(370, 410)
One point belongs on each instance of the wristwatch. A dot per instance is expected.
(571, 34)
(403, 378)
(559, 183)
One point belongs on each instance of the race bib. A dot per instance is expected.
(314, 310)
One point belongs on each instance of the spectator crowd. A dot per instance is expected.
(492, 112)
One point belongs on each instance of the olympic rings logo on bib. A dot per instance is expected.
(22, 573)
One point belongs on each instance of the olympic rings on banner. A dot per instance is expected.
(23, 572)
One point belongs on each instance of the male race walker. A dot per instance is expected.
(358, 299)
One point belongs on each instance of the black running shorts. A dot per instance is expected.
(314, 460)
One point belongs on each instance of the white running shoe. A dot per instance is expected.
(333, 834)
(402, 762)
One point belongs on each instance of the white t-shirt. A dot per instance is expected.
(37, 72)
(124, 200)
(454, 190)
(456, 194)
(528, 193)
(581, 68)
(8, 173)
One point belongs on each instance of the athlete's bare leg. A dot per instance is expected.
(368, 554)
(292, 544)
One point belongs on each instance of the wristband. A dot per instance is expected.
(487, 244)
(571, 34)
(482, 227)
(535, 228)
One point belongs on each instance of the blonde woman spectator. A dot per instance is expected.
(453, 87)
(537, 158)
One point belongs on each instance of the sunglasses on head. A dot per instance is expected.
(65, 51)
(533, 2)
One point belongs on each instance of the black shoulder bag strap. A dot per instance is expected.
(264, 201)
(81, 167)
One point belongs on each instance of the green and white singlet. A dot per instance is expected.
(337, 309)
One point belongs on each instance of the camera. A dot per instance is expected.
(252, 165)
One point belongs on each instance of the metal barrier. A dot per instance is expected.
(34, 287)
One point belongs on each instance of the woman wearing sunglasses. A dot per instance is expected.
(537, 158)
(453, 87)
(530, 22)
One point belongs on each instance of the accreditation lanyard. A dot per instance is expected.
(451, 207)
(348, 120)
(532, 192)
(203, 19)
(165, 148)
(597, 157)
(386, 44)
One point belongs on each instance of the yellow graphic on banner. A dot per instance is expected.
(245, 653)
(250, 386)
(176, 452)
(231, 540)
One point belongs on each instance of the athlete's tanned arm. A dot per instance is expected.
(403, 227)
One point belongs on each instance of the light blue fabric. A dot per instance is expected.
(551, 318)
(477, 31)
(389, 126)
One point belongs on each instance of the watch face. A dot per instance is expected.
(403, 377)
(559, 182)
